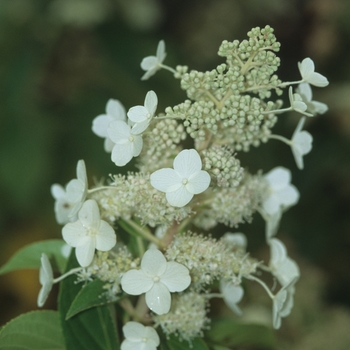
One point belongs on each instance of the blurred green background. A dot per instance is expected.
(61, 60)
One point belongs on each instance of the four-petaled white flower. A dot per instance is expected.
(76, 189)
(151, 64)
(184, 181)
(307, 71)
(314, 107)
(281, 194)
(296, 103)
(62, 206)
(128, 144)
(45, 278)
(232, 295)
(114, 111)
(139, 337)
(283, 303)
(142, 115)
(236, 240)
(89, 233)
(157, 278)
(301, 143)
(284, 268)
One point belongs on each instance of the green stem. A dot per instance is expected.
(281, 138)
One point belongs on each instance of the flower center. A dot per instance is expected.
(131, 138)
(156, 279)
(184, 181)
(144, 340)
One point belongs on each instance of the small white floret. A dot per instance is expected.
(151, 64)
(89, 233)
(307, 71)
(233, 294)
(157, 278)
(139, 337)
(184, 181)
(314, 107)
(114, 111)
(301, 143)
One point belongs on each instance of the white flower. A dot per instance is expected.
(281, 194)
(151, 64)
(157, 278)
(184, 181)
(127, 143)
(314, 107)
(114, 111)
(139, 337)
(62, 206)
(89, 233)
(284, 268)
(232, 295)
(45, 278)
(142, 115)
(76, 189)
(296, 103)
(301, 143)
(272, 223)
(283, 303)
(307, 71)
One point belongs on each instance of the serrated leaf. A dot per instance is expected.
(231, 333)
(36, 330)
(93, 294)
(29, 256)
(93, 328)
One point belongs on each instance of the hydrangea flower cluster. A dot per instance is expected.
(145, 234)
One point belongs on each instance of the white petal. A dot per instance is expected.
(149, 73)
(303, 142)
(138, 114)
(198, 182)
(176, 277)
(108, 144)
(152, 338)
(122, 153)
(100, 125)
(271, 205)
(187, 162)
(57, 191)
(89, 214)
(272, 223)
(139, 128)
(106, 238)
(161, 51)
(288, 196)
(278, 252)
(149, 63)
(153, 263)
(151, 102)
(85, 251)
(305, 90)
(158, 299)
(179, 198)
(81, 172)
(306, 67)
(135, 282)
(317, 79)
(116, 110)
(287, 271)
(118, 131)
(73, 233)
(235, 239)
(75, 190)
(45, 272)
(319, 107)
(165, 179)
(278, 178)
(134, 331)
(137, 145)
(232, 295)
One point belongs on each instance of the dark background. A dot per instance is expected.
(60, 61)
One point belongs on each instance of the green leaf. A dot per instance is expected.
(29, 256)
(93, 294)
(92, 328)
(36, 330)
(174, 343)
(231, 333)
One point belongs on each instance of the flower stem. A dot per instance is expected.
(280, 138)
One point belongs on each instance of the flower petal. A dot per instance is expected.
(151, 102)
(106, 238)
(176, 277)
(116, 110)
(278, 178)
(57, 191)
(149, 63)
(161, 51)
(179, 197)
(158, 299)
(306, 67)
(122, 153)
(317, 79)
(85, 251)
(198, 182)
(278, 252)
(134, 331)
(153, 263)
(165, 179)
(135, 282)
(271, 205)
(187, 162)
(118, 131)
(100, 125)
(73, 233)
(138, 114)
(89, 214)
(137, 145)
(288, 196)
